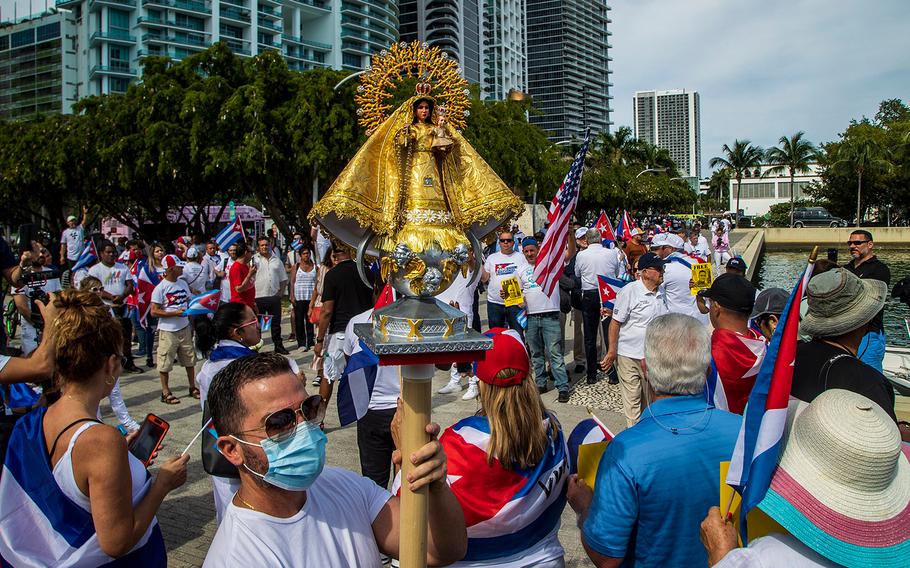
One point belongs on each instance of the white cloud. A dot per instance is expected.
(763, 69)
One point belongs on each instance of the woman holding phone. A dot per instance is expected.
(70, 489)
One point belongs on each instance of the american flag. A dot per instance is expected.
(551, 260)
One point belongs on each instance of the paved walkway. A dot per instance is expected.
(187, 516)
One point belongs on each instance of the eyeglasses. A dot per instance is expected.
(248, 323)
(506, 240)
(96, 289)
(856, 243)
(281, 423)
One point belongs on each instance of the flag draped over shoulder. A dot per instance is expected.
(735, 363)
(758, 446)
(552, 256)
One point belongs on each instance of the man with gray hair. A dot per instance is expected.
(656, 478)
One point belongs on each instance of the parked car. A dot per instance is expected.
(815, 217)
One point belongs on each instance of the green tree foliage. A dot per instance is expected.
(794, 155)
(741, 157)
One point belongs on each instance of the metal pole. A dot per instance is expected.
(416, 396)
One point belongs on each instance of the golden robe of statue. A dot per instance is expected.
(415, 181)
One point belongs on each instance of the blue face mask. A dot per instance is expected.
(296, 461)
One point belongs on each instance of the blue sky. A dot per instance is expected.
(765, 68)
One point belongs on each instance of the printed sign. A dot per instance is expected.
(702, 277)
(511, 292)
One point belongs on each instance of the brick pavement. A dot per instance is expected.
(187, 516)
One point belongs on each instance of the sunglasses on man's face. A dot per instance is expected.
(856, 243)
(281, 423)
(506, 240)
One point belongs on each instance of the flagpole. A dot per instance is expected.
(416, 397)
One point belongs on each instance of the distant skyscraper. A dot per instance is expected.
(569, 65)
(671, 120)
(37, 66)
(504, 51)
(451, 25)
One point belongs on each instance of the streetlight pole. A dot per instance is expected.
(638, 175)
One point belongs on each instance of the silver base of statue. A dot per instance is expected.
(417, 326)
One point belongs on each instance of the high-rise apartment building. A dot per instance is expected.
(505, 58)
(671, 120)
(451, 25)
(112, 35)
(569, 65)
(37, 66)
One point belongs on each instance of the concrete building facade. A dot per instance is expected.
(454, 26)
(505, 62)
(671, 120)
(568, 44)
(38, 66)
(760, 190)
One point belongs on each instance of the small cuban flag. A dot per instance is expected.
(87, 258)
(356, 384)
(265, 322)
(522, 318)
(608, 288)
(297, 245)
(204, 304)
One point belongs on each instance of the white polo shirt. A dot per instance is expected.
(634, 308)
(271, 276)
(597, 260)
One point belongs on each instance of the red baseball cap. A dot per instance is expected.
(508, 352)
(171, 260)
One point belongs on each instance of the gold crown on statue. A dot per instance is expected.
(423, 88)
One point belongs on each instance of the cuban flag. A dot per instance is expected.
(605, 227)
(296, 245)
(204, 304)
(230, 234)
(735, 362)
(608, 288)
(145, 281)
(88, 257)
(265, 322)
(759, 443)
(624, 229)
(355, 388)
(40, 525)
(588, 431)
(506, 511)
(522, 318)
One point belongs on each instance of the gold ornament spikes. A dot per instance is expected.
(416, 60)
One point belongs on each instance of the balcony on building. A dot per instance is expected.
(189, 6)
(114, 69)
(95, 5)
(241, 15)
(150, 22)
(269, 25)
(238, 46)
(115, 37)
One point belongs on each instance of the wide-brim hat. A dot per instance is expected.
(842, 486)
(839, 302)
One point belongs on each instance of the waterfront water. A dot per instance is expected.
(780, 268)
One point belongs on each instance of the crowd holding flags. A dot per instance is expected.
(551, 259)
(759, 444)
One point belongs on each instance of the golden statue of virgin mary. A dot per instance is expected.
(416, 182)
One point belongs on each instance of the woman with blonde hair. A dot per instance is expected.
(507, 465)
(71, 494)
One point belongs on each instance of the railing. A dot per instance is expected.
(173, 24)
(241, 14)
(181, 5)
(131, 3)
(269, 25)
(114, 35)
(352, 33)
(113, 70)
(309, 43)
(268, 12)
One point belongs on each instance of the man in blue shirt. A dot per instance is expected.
(658, 477)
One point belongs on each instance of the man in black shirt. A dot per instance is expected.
(841, 310)
(344, 296)
(866, 265)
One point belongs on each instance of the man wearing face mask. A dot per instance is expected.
(290, 509)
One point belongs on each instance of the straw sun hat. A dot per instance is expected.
(840, 302)
(842, 486)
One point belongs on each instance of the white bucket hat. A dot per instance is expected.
(842, 486)
(840, 302)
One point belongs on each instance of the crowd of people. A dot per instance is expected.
(72, 494)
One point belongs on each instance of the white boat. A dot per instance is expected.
(896, 367)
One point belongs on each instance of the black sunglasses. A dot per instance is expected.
(506, 240)
(857, 243)
(281, 423)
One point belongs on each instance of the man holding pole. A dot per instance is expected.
(290, 509)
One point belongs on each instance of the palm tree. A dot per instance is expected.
(794, 155)
(861, 154)
(652, 156)
(615, 149)
(743, 156)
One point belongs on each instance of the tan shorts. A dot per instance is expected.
(177, 344)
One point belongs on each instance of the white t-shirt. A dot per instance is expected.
(700, 249)
(333, 529)
(195, 275)
(213, 263)
(772, 551)
(270, 276)
(634, 308)
(676, 288)
(172, 297)
(226, 295)
(73, 239)
(501, 266)
(536, 301)
(387, 387)
(597, 261)
(462, 294)
(113, 278)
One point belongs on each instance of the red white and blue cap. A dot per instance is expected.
(508, 352)
(842, 486)
(171, 260)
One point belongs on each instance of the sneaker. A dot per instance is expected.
(472, 393)
(281, 350)
(317, 381)
(591, 380)
(543, 389)
(563, 396)
(451, 387)
(579, 368)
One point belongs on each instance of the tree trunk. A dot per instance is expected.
(739, 182)
(859, 191)
(792, 198)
